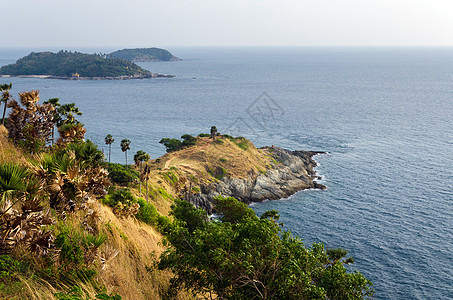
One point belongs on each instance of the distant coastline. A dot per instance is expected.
(125, 77)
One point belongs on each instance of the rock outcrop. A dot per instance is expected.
(293, 172)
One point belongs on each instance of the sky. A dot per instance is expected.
(145, 23)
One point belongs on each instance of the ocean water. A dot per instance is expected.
(383, 115)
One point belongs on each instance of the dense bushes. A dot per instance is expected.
(175, 144)
(121, 174)
(125, 203)
(242, 256)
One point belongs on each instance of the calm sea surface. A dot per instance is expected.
(384, 115)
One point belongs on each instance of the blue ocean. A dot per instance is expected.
(382, 115)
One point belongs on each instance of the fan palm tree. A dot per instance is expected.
(69, 111)
(125, 145)
(139, 158)
(54, 102)
(109, 141)
(4, 89)
(12, 183)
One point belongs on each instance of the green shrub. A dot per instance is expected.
(10, 269)
(121, 174)
(171, 144)
(204, 135)
(147, 212)
(224, 160)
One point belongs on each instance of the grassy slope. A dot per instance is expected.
(126, 274)
(200, 163)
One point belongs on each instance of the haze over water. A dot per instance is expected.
(384, 115)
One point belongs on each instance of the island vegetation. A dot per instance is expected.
(73, 226)
(144, 55)
(74, 65)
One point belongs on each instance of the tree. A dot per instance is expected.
(30, 125)
(109, 141)
(171, 144)
(4, 89)
(242, 256)
(139, 158)
(56, 115)
(213, 132)
(125, 145)
(68, 112)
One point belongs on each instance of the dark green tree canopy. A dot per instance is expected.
(242, 256)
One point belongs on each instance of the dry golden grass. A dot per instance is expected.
(9, 153)
(197, 164)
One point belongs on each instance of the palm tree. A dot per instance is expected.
(109, 141)
(56, 115)
(69, 111)
(213, 132)
(12, 182)
(139, 158)
(125, 145)
(4, 89)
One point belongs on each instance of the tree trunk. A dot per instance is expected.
(140, 180)
(4, 113)
(147, 193)
(110, 149)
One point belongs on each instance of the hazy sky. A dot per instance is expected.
(140, 23)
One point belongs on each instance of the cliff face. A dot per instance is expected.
(294, 172)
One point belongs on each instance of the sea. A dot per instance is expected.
(383, 117)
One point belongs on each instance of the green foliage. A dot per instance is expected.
(121, 174)
(175, 144)
(74, 244)
(187, 215)
(231, 210)
(143, 54)
(147, 212)
(245, 257)
(218, 172)
(87, 153)
(65, 63)
(10, 269)
(76, 293)
(242, 143)
(77, 251)
(188, 140)
(141, 156)
(171, 144)
(204, 135)
(223, 160)
(171, 177)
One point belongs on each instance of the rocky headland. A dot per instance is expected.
(234, 167)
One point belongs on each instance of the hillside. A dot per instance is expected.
(124, 262)
(144, 55)
(232, 167)
(75, 65)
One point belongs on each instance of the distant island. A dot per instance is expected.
(144, 55)
(75, 66)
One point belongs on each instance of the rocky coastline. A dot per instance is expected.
(294, 172)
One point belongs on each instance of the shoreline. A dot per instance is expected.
(125, 77)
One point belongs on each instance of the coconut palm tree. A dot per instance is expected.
(125, 145)
(139, 158)
(4, 89)
(109, 141)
